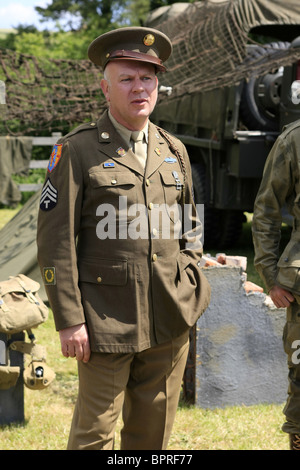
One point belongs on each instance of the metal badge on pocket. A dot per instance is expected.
(177, 180)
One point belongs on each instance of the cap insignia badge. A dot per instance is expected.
(149, 39)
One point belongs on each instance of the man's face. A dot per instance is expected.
(130, 87)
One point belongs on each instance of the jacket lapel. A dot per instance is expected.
(158, 149)
(112, 144)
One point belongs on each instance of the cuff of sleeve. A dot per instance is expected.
(269, 277)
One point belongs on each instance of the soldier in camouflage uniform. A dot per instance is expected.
(280, 187)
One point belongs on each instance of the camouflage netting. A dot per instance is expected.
(209, 39)
(48, 94)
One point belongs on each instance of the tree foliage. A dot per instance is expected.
(78, 22)
(91, 14)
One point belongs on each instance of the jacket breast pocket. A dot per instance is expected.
(172, 182)
(288, 274)
(289, 278)
(108, 186)
(111, 272)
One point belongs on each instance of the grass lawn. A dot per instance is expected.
(48, 416)
(48, 412)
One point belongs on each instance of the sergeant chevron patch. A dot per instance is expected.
(48, 197)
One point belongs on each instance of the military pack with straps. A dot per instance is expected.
(22, 309)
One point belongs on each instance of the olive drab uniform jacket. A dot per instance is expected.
(101, 250)
(280, 187)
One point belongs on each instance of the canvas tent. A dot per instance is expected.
(18, 250)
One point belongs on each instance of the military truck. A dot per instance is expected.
(230, 125)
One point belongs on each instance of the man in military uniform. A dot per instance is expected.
(280, 187)
(123, 292)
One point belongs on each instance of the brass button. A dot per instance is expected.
(154, 232)
(150, 205)
(99, 279)
(147, 182)
(154, 257)
(113, 181)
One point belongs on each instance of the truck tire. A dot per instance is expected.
(222, 228)
(260, 99)
(201, 192)
(231, 225)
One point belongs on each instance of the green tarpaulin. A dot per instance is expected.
(18, 247)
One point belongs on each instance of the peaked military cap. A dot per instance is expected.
(132, 43)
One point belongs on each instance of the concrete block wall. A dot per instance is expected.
(239, 352)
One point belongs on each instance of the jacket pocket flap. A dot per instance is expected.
(109, 178)
(103, 271)
(289, 278)
(169, 179)
(290, 256)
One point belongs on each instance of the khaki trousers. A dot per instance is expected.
(145, 386)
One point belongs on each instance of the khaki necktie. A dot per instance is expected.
(139, 146)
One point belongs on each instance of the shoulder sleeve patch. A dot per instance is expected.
(54, 157)
(49, 276)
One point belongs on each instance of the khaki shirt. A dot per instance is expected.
(134, 287)
(280, 186)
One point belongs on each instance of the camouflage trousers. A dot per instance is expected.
(291, 342)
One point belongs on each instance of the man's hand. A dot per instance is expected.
(281, 297)
(75, 342)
